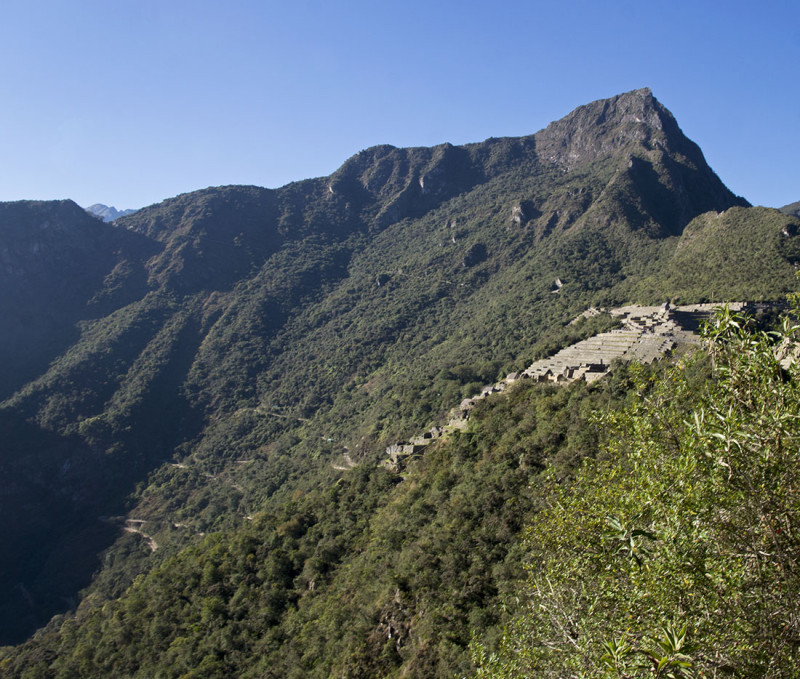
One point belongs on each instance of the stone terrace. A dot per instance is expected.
(647, 333)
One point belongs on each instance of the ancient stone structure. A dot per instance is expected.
(645, 335)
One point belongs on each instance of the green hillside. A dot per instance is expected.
(675, 553)
(792, 209)
(230, 354)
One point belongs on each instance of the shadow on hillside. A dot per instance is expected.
(58, 491)
(39, 314)
(49, 524)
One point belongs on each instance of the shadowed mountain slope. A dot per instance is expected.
(59, 265)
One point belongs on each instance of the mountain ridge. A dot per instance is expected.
(401, 173)
(791, 209)
(252, 335)
(107, 213)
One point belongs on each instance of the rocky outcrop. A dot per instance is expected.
(602, 127)
(664, 166)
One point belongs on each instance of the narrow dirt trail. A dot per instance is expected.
(135, 526)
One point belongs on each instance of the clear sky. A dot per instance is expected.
(128, 102)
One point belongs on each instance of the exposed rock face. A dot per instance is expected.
(407, 181)
(523, 212)
(604, 127)
(662, 160)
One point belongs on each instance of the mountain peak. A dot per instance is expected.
(605, 126)
(107, 213)
(633, 130)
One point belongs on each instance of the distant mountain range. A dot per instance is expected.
(201, 392)
(106, 213)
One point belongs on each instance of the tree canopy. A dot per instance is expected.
(678, 554)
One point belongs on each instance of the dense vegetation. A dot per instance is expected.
(677, 554)
(231, 353)
(358, 578)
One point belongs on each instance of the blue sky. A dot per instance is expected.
(128, 102)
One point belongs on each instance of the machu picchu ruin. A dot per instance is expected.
(645, 334)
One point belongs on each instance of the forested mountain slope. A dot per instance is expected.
(792, 209)
(676, 552)
(219, 353)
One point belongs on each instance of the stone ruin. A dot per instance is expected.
(645, 335)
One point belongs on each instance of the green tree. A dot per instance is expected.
(678, 554)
